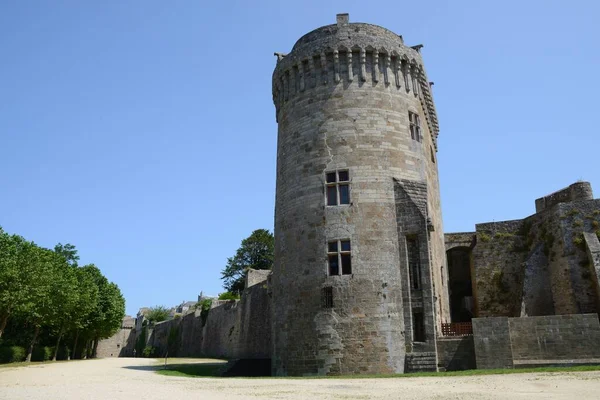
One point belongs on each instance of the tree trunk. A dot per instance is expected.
(74, 345)
(60, 333)
(95, 349)
(86, 354)
(3, 322)
(30, 350)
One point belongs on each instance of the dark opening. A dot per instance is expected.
(331, 196)
(334, 268)
(414, 261)
(346, 264)
(461, 290)
(418, 327)
(344, 194)
(327, 297)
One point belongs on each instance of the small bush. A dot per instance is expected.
(204, 307)
(579, 242)
(484, 237)
(229, 296)
(148, 351)
(42, 353)
(11, 354)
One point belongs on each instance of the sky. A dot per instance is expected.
(144, 133)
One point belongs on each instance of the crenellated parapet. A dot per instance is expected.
(353, 54)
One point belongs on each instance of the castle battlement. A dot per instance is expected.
(353, 54)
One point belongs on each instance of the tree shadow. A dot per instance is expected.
(237, 368)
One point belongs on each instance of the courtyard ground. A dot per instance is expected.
(129, 378)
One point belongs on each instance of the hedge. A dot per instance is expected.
(10, 354)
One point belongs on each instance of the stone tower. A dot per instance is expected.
(358, 283)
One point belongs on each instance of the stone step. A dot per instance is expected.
(421, 362)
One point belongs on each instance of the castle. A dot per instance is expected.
(364, 279)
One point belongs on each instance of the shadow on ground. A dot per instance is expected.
(234, 368)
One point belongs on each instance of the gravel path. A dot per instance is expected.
(127, 379)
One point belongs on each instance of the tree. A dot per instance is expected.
(256, 252)
(65, 297)
(13, 279)
(87, 301)
(69, 252)
(41, 303)
(157, 314)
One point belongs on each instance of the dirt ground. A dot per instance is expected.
(128, 378)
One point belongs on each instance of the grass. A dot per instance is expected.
(213, 370)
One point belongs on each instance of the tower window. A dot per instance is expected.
(415, 126)
(414, 262)
(338, 187)
(432, 154)
(418, 327)
(327, 297)
(339, 257)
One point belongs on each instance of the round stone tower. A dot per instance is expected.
(358, 284)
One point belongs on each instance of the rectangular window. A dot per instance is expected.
(415, 126)
(338, 187)
(432, 154)
(414, 261)
(418, 327)
(339, 257)
(327, 297)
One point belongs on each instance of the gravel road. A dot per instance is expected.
(128, 378)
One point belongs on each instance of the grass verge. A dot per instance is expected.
(213, 370)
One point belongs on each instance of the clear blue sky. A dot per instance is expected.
(144, 132)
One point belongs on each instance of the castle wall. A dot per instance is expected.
(121, 344)
(539, 265)
(574, 192)
(536, 341)
(343, 96)
(456, 354)
(234, 329)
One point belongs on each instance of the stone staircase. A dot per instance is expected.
(421, 362)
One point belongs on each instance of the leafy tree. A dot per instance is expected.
(40, 305)
(256, 252)
(158, 314)
(13, 278)
(65, 297)
(87, 301)
(69, 252)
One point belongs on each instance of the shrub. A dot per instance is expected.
(148, 351)
(484, 237)
(10, 354)
(205, 306)
(42, 353)
(229, 296)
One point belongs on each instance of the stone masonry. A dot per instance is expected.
(345, 98)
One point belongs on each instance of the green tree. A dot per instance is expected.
(69, 252)
(87, 301)
(256, 252)
(13, 279)
(107, 316)
(40, 306)
(157, 314)
(65, 298)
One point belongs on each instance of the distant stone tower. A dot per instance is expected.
(358, 283)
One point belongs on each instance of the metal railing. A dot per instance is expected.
(457, 329)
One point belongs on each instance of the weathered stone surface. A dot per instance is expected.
(456, 354)
(121, 344)
(342, 98)
(537, 341)
(540, 265)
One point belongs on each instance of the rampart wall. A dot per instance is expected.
(536, 341)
